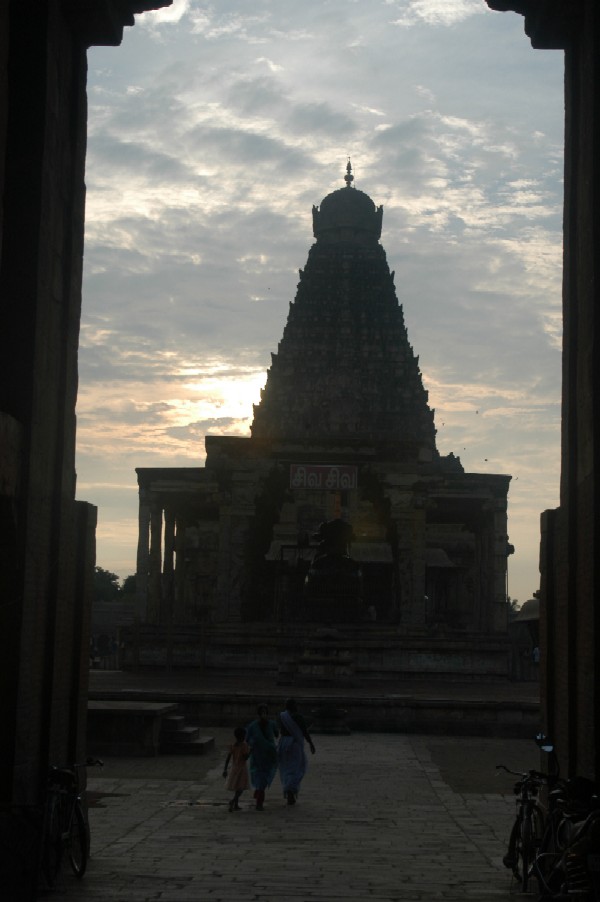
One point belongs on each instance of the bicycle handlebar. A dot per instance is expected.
(70, 771)
(530, 774)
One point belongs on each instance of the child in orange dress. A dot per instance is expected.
(238, 754)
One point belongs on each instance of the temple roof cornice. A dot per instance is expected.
(101, 22)
(550, 24)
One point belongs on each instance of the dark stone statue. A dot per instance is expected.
(333, 585)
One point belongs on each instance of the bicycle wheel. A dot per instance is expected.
(519, 855)
(525, 850)
(528, 843)
(52, 842)
(512, 858)
(548, 866)
(545, 861)
(78, 846)
(538, 822)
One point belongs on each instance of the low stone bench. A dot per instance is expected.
(128, 729)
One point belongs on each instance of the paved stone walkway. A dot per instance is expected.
(380, 818)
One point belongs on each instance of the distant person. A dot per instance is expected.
(292, 758)
(535, 655)
(238, 754)
(261, 735)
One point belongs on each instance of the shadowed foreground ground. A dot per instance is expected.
(380, 817)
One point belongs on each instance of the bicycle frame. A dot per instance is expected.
(65, 826)
(568, 861)
(528, 826)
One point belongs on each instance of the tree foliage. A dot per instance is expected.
(106, 585)
(513, 607)
(128, 587)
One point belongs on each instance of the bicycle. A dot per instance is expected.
(65, 828)
(528, 828)
(568, 859)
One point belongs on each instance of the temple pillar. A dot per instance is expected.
(48, 539)
(154, 565)
(570, 549)
(498, 616)
(179, 611)
(579, 495)
(485, 547)
(168, 572)
(143, 555)
(410, 528)
(232, 543)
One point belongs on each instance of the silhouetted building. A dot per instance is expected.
(343, 431)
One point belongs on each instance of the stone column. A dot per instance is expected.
(179, 611)
(579, 496)
(48, 537)
(485, 544)
(143, 555)
(499, 613)
(154, 569)
(42, 149)
(570, 583)
(168, 574)
(410, 528)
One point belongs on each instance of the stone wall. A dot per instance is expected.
(47, 539)
(43, 159)
(570, 552)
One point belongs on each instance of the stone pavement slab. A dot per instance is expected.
(380, 817)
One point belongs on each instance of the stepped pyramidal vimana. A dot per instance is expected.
(336, 530)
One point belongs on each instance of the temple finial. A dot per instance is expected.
(349, 178)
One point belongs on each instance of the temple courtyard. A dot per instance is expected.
(380, 817)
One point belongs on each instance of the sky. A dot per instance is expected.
(214, 128)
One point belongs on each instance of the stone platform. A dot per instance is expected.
(496, 708)
(368, 651)
(126, 727)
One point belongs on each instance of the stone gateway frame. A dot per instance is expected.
(47, 538)
(570, 546)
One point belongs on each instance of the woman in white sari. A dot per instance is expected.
(290, 753)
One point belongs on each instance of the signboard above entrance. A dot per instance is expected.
(325, 477)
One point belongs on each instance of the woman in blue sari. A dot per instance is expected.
(260, 736)
(292, 758)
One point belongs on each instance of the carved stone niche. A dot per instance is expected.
(550, 24)
(100, 23)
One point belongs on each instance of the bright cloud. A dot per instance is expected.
(435, 12)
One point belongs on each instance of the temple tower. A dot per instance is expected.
(344, 367)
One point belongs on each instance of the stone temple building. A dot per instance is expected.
(343, 431)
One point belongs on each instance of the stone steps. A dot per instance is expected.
(180, 738)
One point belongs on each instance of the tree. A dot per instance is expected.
(128, 588)
(106, 585)
(513, 607)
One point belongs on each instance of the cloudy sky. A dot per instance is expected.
(213, 130)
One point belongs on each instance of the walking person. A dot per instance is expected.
(261, 735)
(238, 754)
(291, 754)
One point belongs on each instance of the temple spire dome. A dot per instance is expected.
(347, 215)
(349, 178)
